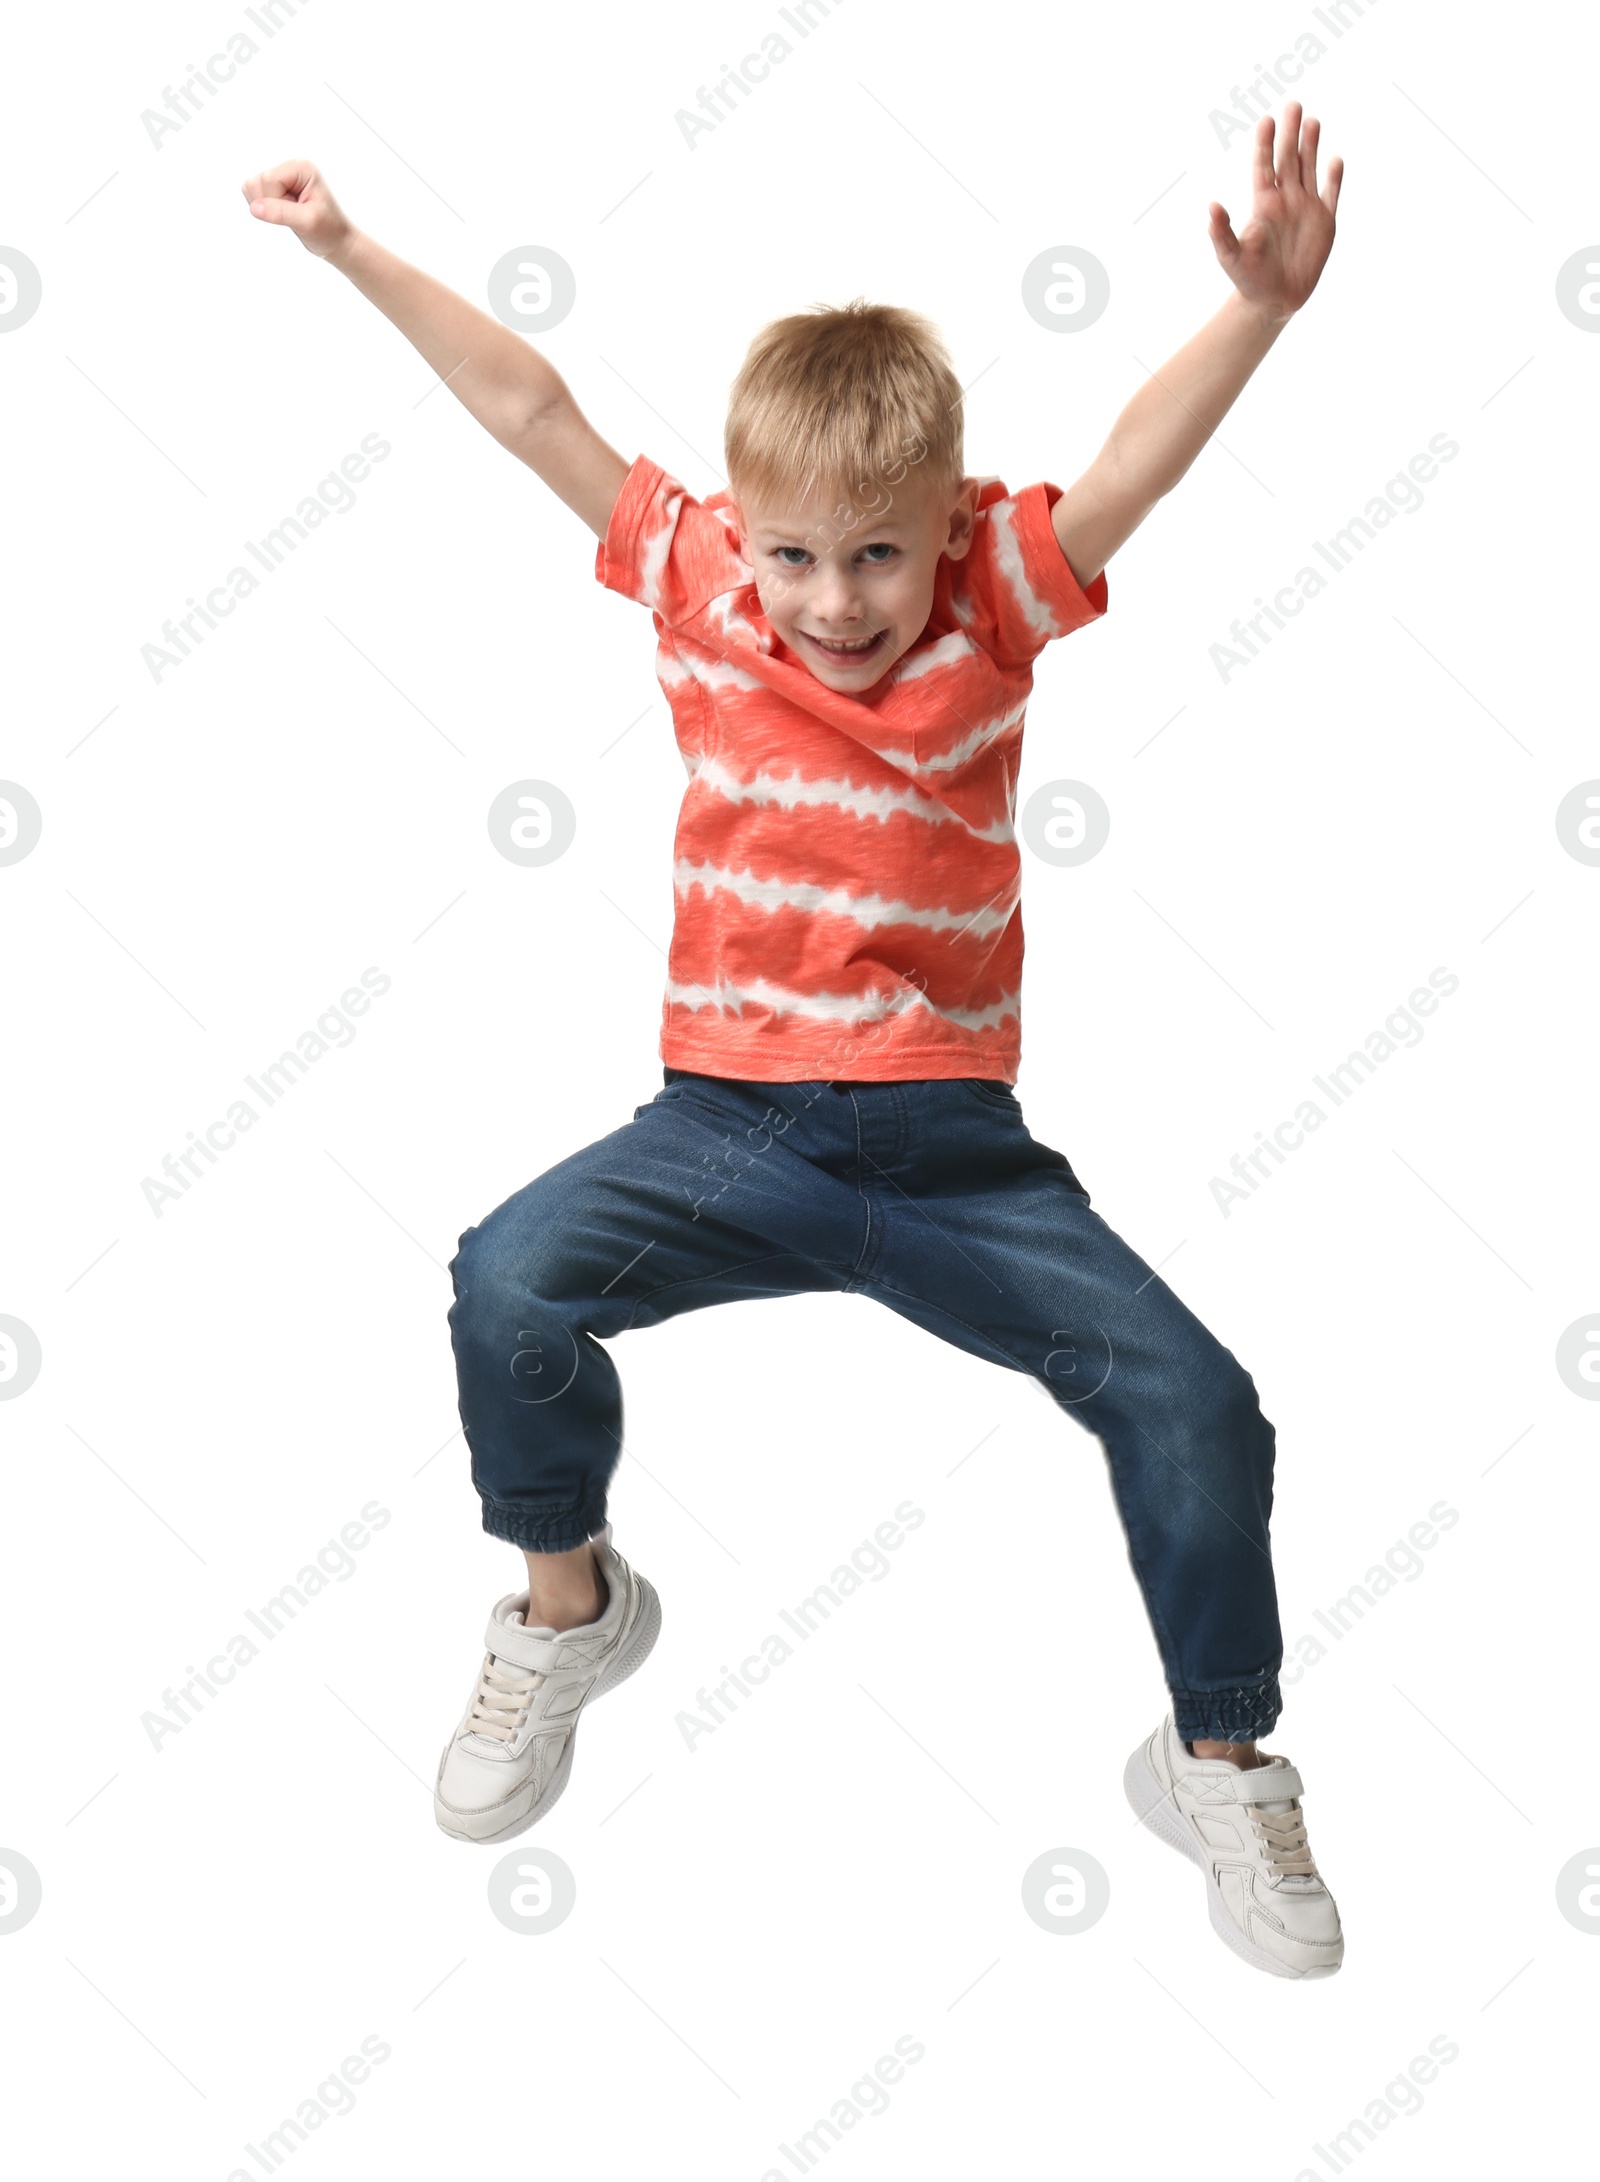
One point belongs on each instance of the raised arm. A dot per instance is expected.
(515, 394)
(1274, 264)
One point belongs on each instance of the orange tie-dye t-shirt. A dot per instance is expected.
(846, 876)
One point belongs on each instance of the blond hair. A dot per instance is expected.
(839, 398)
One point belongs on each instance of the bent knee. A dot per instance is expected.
(500, 1278)
(1226, 1403)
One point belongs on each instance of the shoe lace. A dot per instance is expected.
(1282, 1835)
(501, 1700)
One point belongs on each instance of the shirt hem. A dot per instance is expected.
(914, 1064)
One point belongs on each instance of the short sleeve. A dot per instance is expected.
(666, 550)
(1017, 588)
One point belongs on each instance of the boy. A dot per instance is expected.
(846, 639)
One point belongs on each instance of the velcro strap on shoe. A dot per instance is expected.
(522, 1648)
(1264, 1784)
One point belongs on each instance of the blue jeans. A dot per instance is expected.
(933, 1198)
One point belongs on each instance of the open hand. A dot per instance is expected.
(294, 195)
(1275, 262)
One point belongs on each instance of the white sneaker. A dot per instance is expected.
(508, 1760)
(1246, 1832)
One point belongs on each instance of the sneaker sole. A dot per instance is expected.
(502, 1821)
(1153, 1809)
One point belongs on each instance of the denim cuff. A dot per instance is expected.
(1241, 1715)
(544, 1530)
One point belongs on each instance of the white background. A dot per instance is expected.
(225, 1386)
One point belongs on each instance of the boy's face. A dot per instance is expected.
(848, 586)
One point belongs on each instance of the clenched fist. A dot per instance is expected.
(294, 195)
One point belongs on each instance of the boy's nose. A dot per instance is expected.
(837, 603)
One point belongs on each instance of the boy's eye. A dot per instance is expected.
(885, 550)
(800, 556)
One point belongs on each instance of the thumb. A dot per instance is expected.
(282, 212)
(1223, 239)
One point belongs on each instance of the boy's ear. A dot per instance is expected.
(963, 515)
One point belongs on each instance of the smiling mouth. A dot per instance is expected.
(846, 653)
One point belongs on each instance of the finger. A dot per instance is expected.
(1223, 240)
(1261, 169)
(1289, 147)
(1310, 136)
(1330, 189)
(291, 178)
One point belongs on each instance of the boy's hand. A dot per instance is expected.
(1276, 261)
(295, 196)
